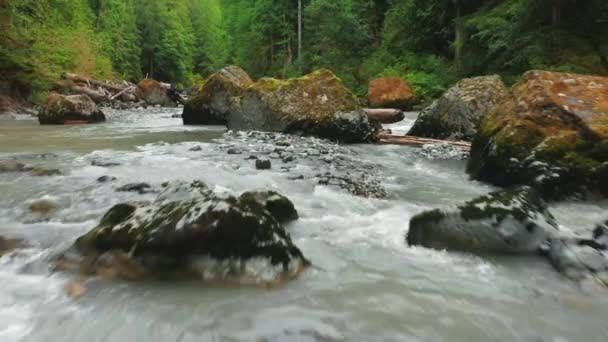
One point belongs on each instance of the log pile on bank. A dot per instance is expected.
(120, 94)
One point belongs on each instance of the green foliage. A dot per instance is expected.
(429, 43)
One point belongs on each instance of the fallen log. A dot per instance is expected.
(90, 81)
(410, 140)
(131, 88)
(385, 115)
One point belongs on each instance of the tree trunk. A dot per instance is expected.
(459, 36)
(300, 32)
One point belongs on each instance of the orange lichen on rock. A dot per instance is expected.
(390, 92)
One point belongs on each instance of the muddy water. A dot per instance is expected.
(366, 284)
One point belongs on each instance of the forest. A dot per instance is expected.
(429, 43)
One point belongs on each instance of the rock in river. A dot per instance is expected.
(457, 114)
(552, 134)
(206, 235)
(317, 104)
(154, 93)
(390, 92)
(216, 97)
(69, 109)
(514, 221)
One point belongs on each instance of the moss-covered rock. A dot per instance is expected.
(552, 134)
(217, 97)
(153, 93)
(514, 221)
(457, 114)
(61, 109)
(316, 104)
(390, 92)
(184, 235)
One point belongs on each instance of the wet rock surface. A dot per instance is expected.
(190, 230)
(324, 162)
(551, 133)
(68, 109)
(582, 258)
(513, 221)
(458, 113)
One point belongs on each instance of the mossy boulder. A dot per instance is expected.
(69, 109)
(390, 92)
(154, 93)
(317, 104)
(191, 230)
(551, 133)
(458, 113)
(216, 97)
(579, 258)
(514, 221)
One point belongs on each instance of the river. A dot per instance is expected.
(366, 284)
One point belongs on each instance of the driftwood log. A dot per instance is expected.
(385, 115)
(419, 141)
(98, 91)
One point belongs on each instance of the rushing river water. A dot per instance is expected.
(366, 285)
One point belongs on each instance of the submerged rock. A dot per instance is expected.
(69, 109)
(458, 113)
(9, 245)
(142, 188)
(216, 97)
(11, 165)
(514, 221)
(390, 92)
(580, 259)
(40, 171)
(210, 236)
(552, 134)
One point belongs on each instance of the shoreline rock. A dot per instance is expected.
(552, 134)
(69, 109)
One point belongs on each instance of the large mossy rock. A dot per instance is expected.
(189, 229)
(552, 134)
(69, 109)
(317, 104)
(216, 97)
(579, 258)
(458, 113)
(390, 92)
(154, 93)
(514, 221)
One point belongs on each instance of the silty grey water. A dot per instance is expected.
(367, 285)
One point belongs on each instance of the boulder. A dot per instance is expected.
(514, 221)
(385, 115)
(216, 97)
(11, 165)
(189, 230)
(456, 115)
(316, 104)
(390, 92)
(69, 109)
(580, 259)
(552, 134)
(154, 93)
